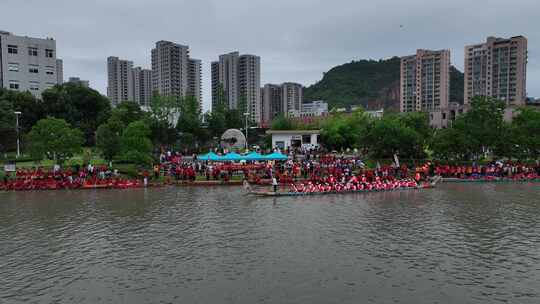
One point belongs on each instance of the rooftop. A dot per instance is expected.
(293, 132)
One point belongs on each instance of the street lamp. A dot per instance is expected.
(246, 115)
(17, 113)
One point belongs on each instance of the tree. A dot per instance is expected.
(82, 107)
(24, 102)
(136, 144)
(190, 116)
(345, 131)
(189, 123)
(419, 122)
(108, 141)
(282, 122)
(126, 112)
(234, 119)
(54, 138)
(526, 132)
(165, 108)
(216, 122)
(390, 135)
(242, 104)
(483, 124)
(450, 143)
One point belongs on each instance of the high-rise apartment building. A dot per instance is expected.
(216, 86)
(120, 80)
(79, 81)
(225, 80)
(497, 68)
(236, 80)
(59, 71)
(425, 81)
(272, 102)
(195, 80)
(142, 86)
(174, 73)
(249, 84)
(170, 62)
(292, 97)
(27, 64)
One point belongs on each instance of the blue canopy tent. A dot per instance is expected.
(253, 156)
(276, 156)
(211, 156)
(232, 157)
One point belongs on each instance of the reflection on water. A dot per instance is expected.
(454, 244)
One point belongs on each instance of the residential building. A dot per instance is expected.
(317, 108)
(217, 87)
(425, 81)
(174, 73)
(195, 80)
(28, 64)
(292, 97)
(120, 80)
(377, 114)
(497, 68)
(78, 81)
(249, 84)
(444, 117)
(59, 71)
(236, 81)
(142, 86)
(170, 63)
(272, 104)
(225, 80)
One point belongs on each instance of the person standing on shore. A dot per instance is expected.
(274, 183)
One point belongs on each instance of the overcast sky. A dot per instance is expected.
(297, 40)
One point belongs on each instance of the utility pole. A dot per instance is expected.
(246, 115)
(17, 129)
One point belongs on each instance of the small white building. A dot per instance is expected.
(287, 139)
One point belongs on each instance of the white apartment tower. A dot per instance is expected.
(59, 71)
(120, 80)
(425, 81)
(174, 73)
(28, 64)
(142, 86)
(225, 79)
(195, 80)
(272, 102)
(170, 63)
(239, 78)
(497, 68)
(292, 97)
(249, 84)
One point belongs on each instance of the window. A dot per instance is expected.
(49, 53)
(33, 70)
(14, 85)
(32, 51)
(34, 87)
(12, 49)
(13, 67)
(49, 70)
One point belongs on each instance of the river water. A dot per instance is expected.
(454, 244)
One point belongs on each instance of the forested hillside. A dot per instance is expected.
(370, 83)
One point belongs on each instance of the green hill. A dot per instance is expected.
(370, 83)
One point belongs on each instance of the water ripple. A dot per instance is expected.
(453, 244)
